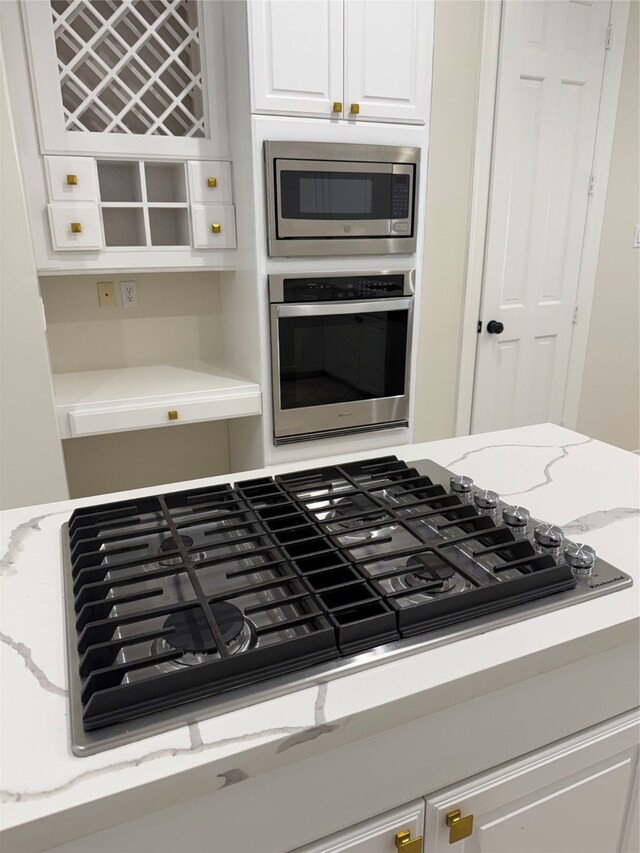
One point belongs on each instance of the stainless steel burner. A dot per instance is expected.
(241, 642)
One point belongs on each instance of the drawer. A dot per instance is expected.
(65, 218)
(204, 217)
(72, 178)
(99, 420)
(201, 172)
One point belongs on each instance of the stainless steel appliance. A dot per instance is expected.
(186, 605)
(340, 199)
(340, 353)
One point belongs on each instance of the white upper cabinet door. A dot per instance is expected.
(388, 50)
(296, 57)
(128, 78)
(573, 797)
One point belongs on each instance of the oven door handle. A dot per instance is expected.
(357, 306)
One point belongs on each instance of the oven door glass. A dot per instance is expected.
(349, 355)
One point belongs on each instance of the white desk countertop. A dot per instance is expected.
(588, 488)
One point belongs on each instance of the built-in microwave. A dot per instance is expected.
(327, 198)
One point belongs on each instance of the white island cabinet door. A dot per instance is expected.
(573, 797)
(384, 834)
(296, 57)
(388, 48)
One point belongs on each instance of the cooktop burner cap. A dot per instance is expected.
(170, 544)
(192, 632)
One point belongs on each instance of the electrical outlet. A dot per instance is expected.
(106, 294)
(128, 294)
(636, 238)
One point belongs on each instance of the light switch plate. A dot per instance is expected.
(106, 294)
(636, 238)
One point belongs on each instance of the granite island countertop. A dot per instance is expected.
(48, 795)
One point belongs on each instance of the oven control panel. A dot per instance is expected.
(338, 288)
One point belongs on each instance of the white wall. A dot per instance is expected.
(31, 465)
(457, 42)
(178, 318)
(98, 464)
(610, 398)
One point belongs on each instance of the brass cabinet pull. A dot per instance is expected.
(406, 843)
(216, 228)
(459, 827)
(76, 228)
(354, 109)
(337, 107)
(172, 415)
(72, 180)
(212, 182)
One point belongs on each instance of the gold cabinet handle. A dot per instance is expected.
(406, 843)
(459, 827)
(354, 109)
(212, 182)
(337, 107)
(76, 228)
(172, 415)
(72, 180)
(216, 228)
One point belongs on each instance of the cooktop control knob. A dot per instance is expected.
(580, 558)
(548, 537)
(485, 499)
(460, 484)
(515, 516)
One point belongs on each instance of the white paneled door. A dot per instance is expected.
(552, 58)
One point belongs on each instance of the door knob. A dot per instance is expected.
(495, 327)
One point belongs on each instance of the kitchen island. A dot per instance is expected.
(293, 769)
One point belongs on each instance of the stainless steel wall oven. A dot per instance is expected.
(340, 352)
(340, 198)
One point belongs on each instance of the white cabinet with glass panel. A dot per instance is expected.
(142, 79)
(126, 161)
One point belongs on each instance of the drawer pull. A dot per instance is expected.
(337, 107)
(354, 109)
(212, 182)
(76, 228)
(459, 827)
(406, 843)
(216, 228)
(172, 415)
(72, 180)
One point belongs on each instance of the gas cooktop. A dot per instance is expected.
(185, 605)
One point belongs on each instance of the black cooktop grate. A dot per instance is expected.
(193, 593)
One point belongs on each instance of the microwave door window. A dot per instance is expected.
(341, 358)
(335, 195)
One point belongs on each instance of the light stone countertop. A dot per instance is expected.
(588, 488)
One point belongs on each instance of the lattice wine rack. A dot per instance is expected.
(130, 66)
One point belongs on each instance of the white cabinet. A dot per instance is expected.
(342, 59)
(388, 48)
(128, 78)
(576, 796)
(75, 226)
(71, 178)
(120, 205)
(296, 56)
(388, 833)
(573, 797)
